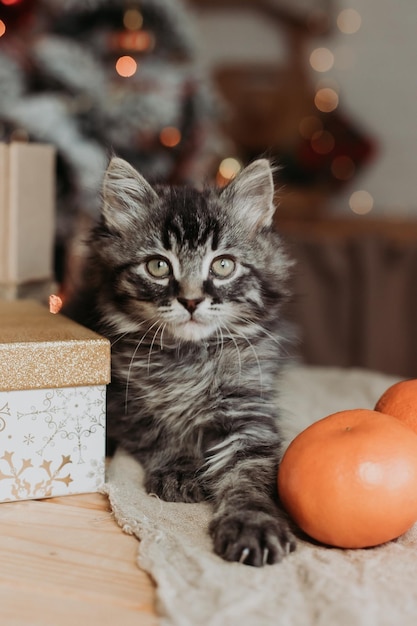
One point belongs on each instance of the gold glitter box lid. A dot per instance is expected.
(40, 350)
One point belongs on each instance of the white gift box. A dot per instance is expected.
(53, 376)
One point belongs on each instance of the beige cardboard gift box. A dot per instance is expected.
(53, 376)
(27, 220)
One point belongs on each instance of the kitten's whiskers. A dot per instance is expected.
(264, 331)
(241, 334)
(230, 334)
(220, 342)
(161, 325)
(255, 354)
(132, 360)
(121, 336)
(162, 335)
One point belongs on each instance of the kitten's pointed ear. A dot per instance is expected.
(251, 194)
(126, 195)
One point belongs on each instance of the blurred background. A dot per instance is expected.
(192, 90)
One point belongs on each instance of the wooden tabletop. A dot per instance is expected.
(66, 561)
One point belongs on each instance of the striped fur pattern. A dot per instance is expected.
(188, 287)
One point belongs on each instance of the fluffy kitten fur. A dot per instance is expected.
(188, 286)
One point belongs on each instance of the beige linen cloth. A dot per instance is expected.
(314, 586)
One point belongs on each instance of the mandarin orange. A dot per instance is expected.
(400, 401)
(350, 479)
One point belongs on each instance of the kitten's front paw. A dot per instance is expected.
(175, 486)
(252, 537)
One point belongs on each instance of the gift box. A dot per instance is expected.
(27, 220)
(53, 376)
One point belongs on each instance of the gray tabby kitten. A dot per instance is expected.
(188, 286)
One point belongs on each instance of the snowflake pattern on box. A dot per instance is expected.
(52, 442)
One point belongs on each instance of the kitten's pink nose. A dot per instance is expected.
(190, 305)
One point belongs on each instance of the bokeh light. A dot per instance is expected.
(349, 21)
(137, 41)
(2, 28)
(229, 167)
(322, 59)
(361, 202)
(132, 19)
(326, 99)
(170, 136)
(126, 66)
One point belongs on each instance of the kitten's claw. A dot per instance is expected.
(244, 555)
(252, 538)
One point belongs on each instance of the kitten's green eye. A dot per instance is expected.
(223, 267)
(158, 268)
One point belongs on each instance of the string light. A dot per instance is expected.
(361, 202)
(349, 21)
(326, 99)
(322, 59)
(170, 136)
(126, 66)
(2, 28)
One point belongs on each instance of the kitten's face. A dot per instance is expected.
(192, 300)
(190, 292)
(186, 264)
